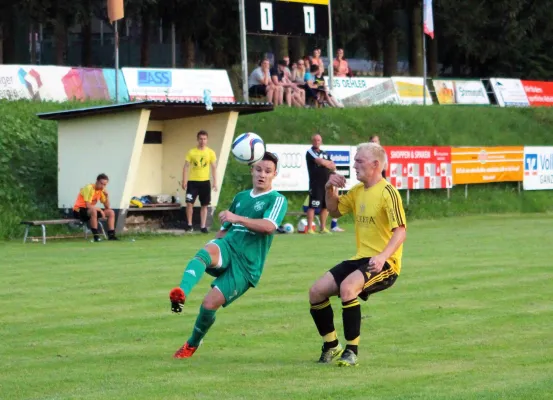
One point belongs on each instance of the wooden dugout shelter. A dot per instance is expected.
(141, 146)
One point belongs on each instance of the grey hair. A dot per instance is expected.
(375, 150)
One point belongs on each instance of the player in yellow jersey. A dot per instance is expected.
(380, 230)
(200, 163)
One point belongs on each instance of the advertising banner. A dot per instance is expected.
(487, 164)
(356, 92)
(509, 92)
(178, 84)
(52, 83)
(460, 91)
(292, 170)
(419, 167)
(539, 93)
(538, 168)
(409, 90)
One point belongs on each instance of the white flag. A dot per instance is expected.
(428, 19)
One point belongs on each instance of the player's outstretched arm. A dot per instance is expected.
(264, 226)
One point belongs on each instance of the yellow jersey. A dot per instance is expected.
(89, 194)
(377, 211)
(200, 161)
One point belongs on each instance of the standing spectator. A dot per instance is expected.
(317, 60)
(200, 161)
(341, 67)
(259, 83)
(376, 139)
(319, 167)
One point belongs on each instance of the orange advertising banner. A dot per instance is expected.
(487, 164)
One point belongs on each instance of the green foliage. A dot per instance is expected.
(28, 163)
(28, 157)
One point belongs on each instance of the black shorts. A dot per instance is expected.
(373, 282)
(317, 196)
(83, 216)
(258, 91)
(201, 189)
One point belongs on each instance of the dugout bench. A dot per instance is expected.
(67, 221)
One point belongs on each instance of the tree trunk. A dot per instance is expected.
(8, 44)
(298, 46)
(390, 43)
(416, 60)
(432, 45)
(390, 54)
(60, 35)
(281, 47)
(86, 35)
(33, 60)
(145, 38)
(1, 42)
(188, 51)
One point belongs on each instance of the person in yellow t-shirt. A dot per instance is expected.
(199, 165)
(85, 208)
(380, 230)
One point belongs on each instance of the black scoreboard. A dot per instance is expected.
(287, 17)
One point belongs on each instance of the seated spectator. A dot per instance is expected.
(260, 84)
(341, 67)
(317, 83)
(85, 207)
(290, 91)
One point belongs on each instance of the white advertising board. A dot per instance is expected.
(178, 84)
(509, 92)
(292, 171)
(460, 91)
(355, 92)
(538, 168)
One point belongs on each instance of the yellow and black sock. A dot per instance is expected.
(324, 320)
(351, 314)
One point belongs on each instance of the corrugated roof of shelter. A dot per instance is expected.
(161, 110)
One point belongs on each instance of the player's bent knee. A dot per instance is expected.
(213, 300)
(210, 254)
(349, 290)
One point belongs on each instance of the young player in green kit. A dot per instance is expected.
(237, 256)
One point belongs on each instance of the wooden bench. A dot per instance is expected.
(68, 221)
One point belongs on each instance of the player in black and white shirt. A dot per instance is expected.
(319, 167)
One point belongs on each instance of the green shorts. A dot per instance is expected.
(230, 280)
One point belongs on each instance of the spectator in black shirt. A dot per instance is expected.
(319, 167)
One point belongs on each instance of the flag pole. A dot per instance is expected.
(116, 63)
(243, 49)
(423, 57)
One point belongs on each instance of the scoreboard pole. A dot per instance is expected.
(330, 50)
(243, 49)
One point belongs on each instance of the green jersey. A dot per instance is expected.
(250, 248)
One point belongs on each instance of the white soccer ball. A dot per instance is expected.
(248, 148)
(302, 226)
(288, 228)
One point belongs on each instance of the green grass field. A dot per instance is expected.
(470, 317)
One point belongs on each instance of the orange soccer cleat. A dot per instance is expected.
(177, 298)
(185, 351)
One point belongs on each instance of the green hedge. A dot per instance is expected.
(28, 160)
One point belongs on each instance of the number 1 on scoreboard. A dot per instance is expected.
(266, 16)
(309, 18)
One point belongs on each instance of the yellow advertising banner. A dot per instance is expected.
(487, 164)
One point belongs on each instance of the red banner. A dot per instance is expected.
(419, 167)
(539, 93)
